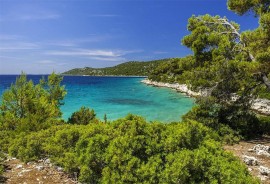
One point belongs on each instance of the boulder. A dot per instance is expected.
(264, 170)
(261, 150)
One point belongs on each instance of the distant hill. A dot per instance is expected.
(131, 68)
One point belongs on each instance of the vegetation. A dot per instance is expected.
(132, 68)
(82, 117)
(28, 107)
(229, 65)
(130, 150)
(1, 163)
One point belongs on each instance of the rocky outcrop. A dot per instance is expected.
(260, 105)
(179, 87)
(264, 171)
(250, 160)
(260, 149)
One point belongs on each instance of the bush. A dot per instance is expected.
(131, 150)
(82, 116)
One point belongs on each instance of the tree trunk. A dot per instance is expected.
(266, 81)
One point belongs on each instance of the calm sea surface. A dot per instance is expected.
(116, 97)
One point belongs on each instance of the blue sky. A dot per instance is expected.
(41, 36)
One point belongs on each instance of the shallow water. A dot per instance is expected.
(117, 96)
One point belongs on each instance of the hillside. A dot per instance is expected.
(131, 68)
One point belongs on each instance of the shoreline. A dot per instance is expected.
(261, 106)
(183, 88)
(131, 76)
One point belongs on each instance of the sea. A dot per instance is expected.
(116, 97)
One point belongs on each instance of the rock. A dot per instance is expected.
(250, 160)
(25, 170)
(19, 166)
(47, 161)
(249, 169)
(262, 178)
(261, 105)
(261, 150)
(20, 175)
(59, 169)
(264, 170)
(39, 167)
(29, 163)
(261, 147)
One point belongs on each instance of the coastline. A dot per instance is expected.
(261, 106)
(183, 88)
(132, 76)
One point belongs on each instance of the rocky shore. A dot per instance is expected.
(262, 106)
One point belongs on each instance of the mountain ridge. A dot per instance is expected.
(130, 68)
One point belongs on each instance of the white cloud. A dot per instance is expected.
(95, 54)
(160, 52)
(78, 41)
(18, 46)
(6, 37)
(42, 16)
(50, 63)
(29, 17)
(92, 52)
(46, 62)
(108, 58)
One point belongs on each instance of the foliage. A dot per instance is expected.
(132, 68)
(2, 158)
(83, 116)
(232, 67)
(131, 150)
(172, 70)
(29, 107)
(242, 6)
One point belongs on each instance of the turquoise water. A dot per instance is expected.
(118, 96)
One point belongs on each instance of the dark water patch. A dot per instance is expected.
(128, 101)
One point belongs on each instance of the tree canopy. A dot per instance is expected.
(30, 106)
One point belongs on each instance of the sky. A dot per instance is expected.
(42, 36)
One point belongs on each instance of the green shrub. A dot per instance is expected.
(131, 150)
(82, 116)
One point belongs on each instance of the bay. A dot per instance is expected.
(116, 97)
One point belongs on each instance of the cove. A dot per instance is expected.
(116, 97)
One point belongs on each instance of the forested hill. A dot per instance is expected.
(132, 68)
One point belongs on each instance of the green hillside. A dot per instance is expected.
(132, 68)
